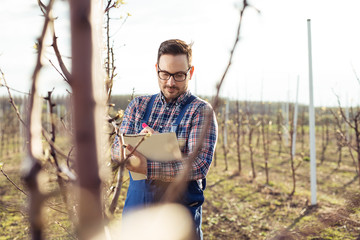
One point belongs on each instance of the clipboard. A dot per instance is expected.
(162, 147)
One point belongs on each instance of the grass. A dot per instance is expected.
(236, 206)
(13, 218)
(260, 211)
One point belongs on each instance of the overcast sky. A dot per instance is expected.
(271, 55)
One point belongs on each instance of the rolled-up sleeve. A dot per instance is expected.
(167, 171)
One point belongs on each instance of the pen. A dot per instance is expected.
(144, 125)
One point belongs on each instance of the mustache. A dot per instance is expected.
(172, 87)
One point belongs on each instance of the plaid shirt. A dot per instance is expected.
(161, 118)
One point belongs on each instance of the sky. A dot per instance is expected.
(271, 55)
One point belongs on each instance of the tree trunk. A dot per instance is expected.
(324, 138)
(292, 130)
(238, 135)
(357, 137)
(225, 150)
(279, 130)
(265, 138)
(252, 152)
(90, 207)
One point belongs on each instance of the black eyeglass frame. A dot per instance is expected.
(173, 74)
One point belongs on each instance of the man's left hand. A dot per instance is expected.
(137, 162)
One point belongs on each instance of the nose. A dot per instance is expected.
(171, 81)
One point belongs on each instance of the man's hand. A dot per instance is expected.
(148, 129)
(137, 162)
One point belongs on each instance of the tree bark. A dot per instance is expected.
(238, 135)
(90, 207)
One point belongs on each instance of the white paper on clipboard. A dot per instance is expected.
(161, 147)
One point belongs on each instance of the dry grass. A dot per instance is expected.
(236, 206)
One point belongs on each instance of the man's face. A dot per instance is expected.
(174, 64)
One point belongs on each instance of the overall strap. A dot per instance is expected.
(184, 107)
(148, 109)
(175, 125)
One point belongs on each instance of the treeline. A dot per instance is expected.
(119, 102)
(251, 124)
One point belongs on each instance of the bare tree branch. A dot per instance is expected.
(55, 148)
(11, 100)
(42, 7)
(177, 188)
(12, 182)
(61, 74)
(342, 112)
(109, 6)
(343, 135)
(120, 177)
(59, 58)
(355, 73)
(14, 90)
(31, 163)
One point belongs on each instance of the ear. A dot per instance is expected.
(156, 67)
(191, 72)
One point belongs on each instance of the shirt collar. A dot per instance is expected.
(181, 99)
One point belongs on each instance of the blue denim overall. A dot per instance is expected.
(142, 193)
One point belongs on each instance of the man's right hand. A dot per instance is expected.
(148, 130)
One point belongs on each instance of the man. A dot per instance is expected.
(173, 106)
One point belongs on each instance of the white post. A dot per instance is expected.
(287, 105)
(295, 120)
(311, 123)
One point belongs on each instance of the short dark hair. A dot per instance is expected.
(175, 47)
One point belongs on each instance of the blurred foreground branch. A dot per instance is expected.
(177, 188)
(31, 164)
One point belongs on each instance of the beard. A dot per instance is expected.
(172, 88)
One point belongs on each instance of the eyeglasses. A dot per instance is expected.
(178, 76)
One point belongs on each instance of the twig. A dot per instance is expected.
(355, 73)
(60, 178)
(70, 234)
(42, 7)
(346, 141)
(108, 7)
(11, 100)
(342, 112)
(132, 152)
(14, 90)
(120, 177)
(57, 210)
(120, 27)
(18, 188)
(62, 75)
(53, 130)
(245, 4)
(68, 157)
(64, 124)
(12, 182)
(52, 144)
(63, 68)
